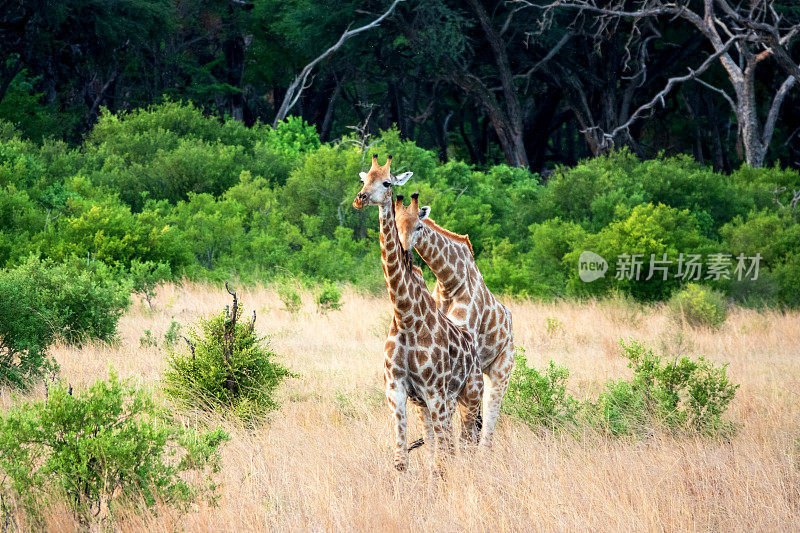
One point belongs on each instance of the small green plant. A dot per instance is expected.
(539, 398)
(146, 276)
(553, 326)
(292, 302)
(107, 446)
(681, 394)
(172, 335)
(329, 299)
(228, 366)
(697, 305)
(148, 340)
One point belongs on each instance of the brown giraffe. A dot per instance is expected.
(462, 294)
(428, 359)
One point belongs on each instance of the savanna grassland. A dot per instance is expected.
(323, 461)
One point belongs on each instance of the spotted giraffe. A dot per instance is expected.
(428, 359)
(462, 294)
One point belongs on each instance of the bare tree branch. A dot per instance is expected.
(607, 139)
(774, 110)
(720, 91)
(299, 84)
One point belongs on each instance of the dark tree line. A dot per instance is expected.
(529, 82)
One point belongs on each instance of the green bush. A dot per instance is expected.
(108, 446)
(42, 301)
(145, 277)
(774, 235)
(227, 366)
(697, 305)
(647, 230)
(27, 328)
(86, 300)
(679, 395)
(289, 295)
(172, 334)
(683, 394)
(539, 398)
(329, 298)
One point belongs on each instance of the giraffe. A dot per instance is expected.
(462, 294)
(428, 359)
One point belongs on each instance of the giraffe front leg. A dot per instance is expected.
(441, 413)
(396, 397)
(469, 405)
(426, 426)
(498, 376)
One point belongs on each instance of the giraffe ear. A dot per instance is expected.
(424, 212)
(402, 178)
(362, 175)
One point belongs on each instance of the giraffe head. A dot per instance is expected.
(409, 220)
(378, 183)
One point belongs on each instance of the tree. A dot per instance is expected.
(742, 37)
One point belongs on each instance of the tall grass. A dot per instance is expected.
(323, 462)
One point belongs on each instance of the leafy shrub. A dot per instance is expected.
(86, 299)
(292, 302)
(680, 395)
(145, 277)
(228, 366)
(646, 231)
(294, 137)
(172, 334)
(774, 235)
(107, 446)
(697, 305)
(148, 340)
(329, 298)
(43, 300)
(539, 398)
(26, 330)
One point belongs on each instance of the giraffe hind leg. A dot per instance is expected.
(498, 376)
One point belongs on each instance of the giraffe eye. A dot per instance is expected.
(387, 183)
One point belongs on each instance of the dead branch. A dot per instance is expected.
(301, 81)
(606, 140)
(228, 339)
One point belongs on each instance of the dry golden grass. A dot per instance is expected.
(324, 460)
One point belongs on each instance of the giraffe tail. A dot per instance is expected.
(416, 444)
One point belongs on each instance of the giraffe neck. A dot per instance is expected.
(396, 269)
(442, 254)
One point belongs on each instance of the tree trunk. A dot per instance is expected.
(512, 129)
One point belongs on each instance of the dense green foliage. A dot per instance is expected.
(680, 395)
(539, 398)
(42, 300)
(698, 306)
(99, 448)
(683, 394)
(167, 192)
(458, 78)
(227, 366)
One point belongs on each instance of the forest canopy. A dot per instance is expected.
(526, 82)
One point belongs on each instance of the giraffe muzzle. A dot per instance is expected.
(359, 200)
